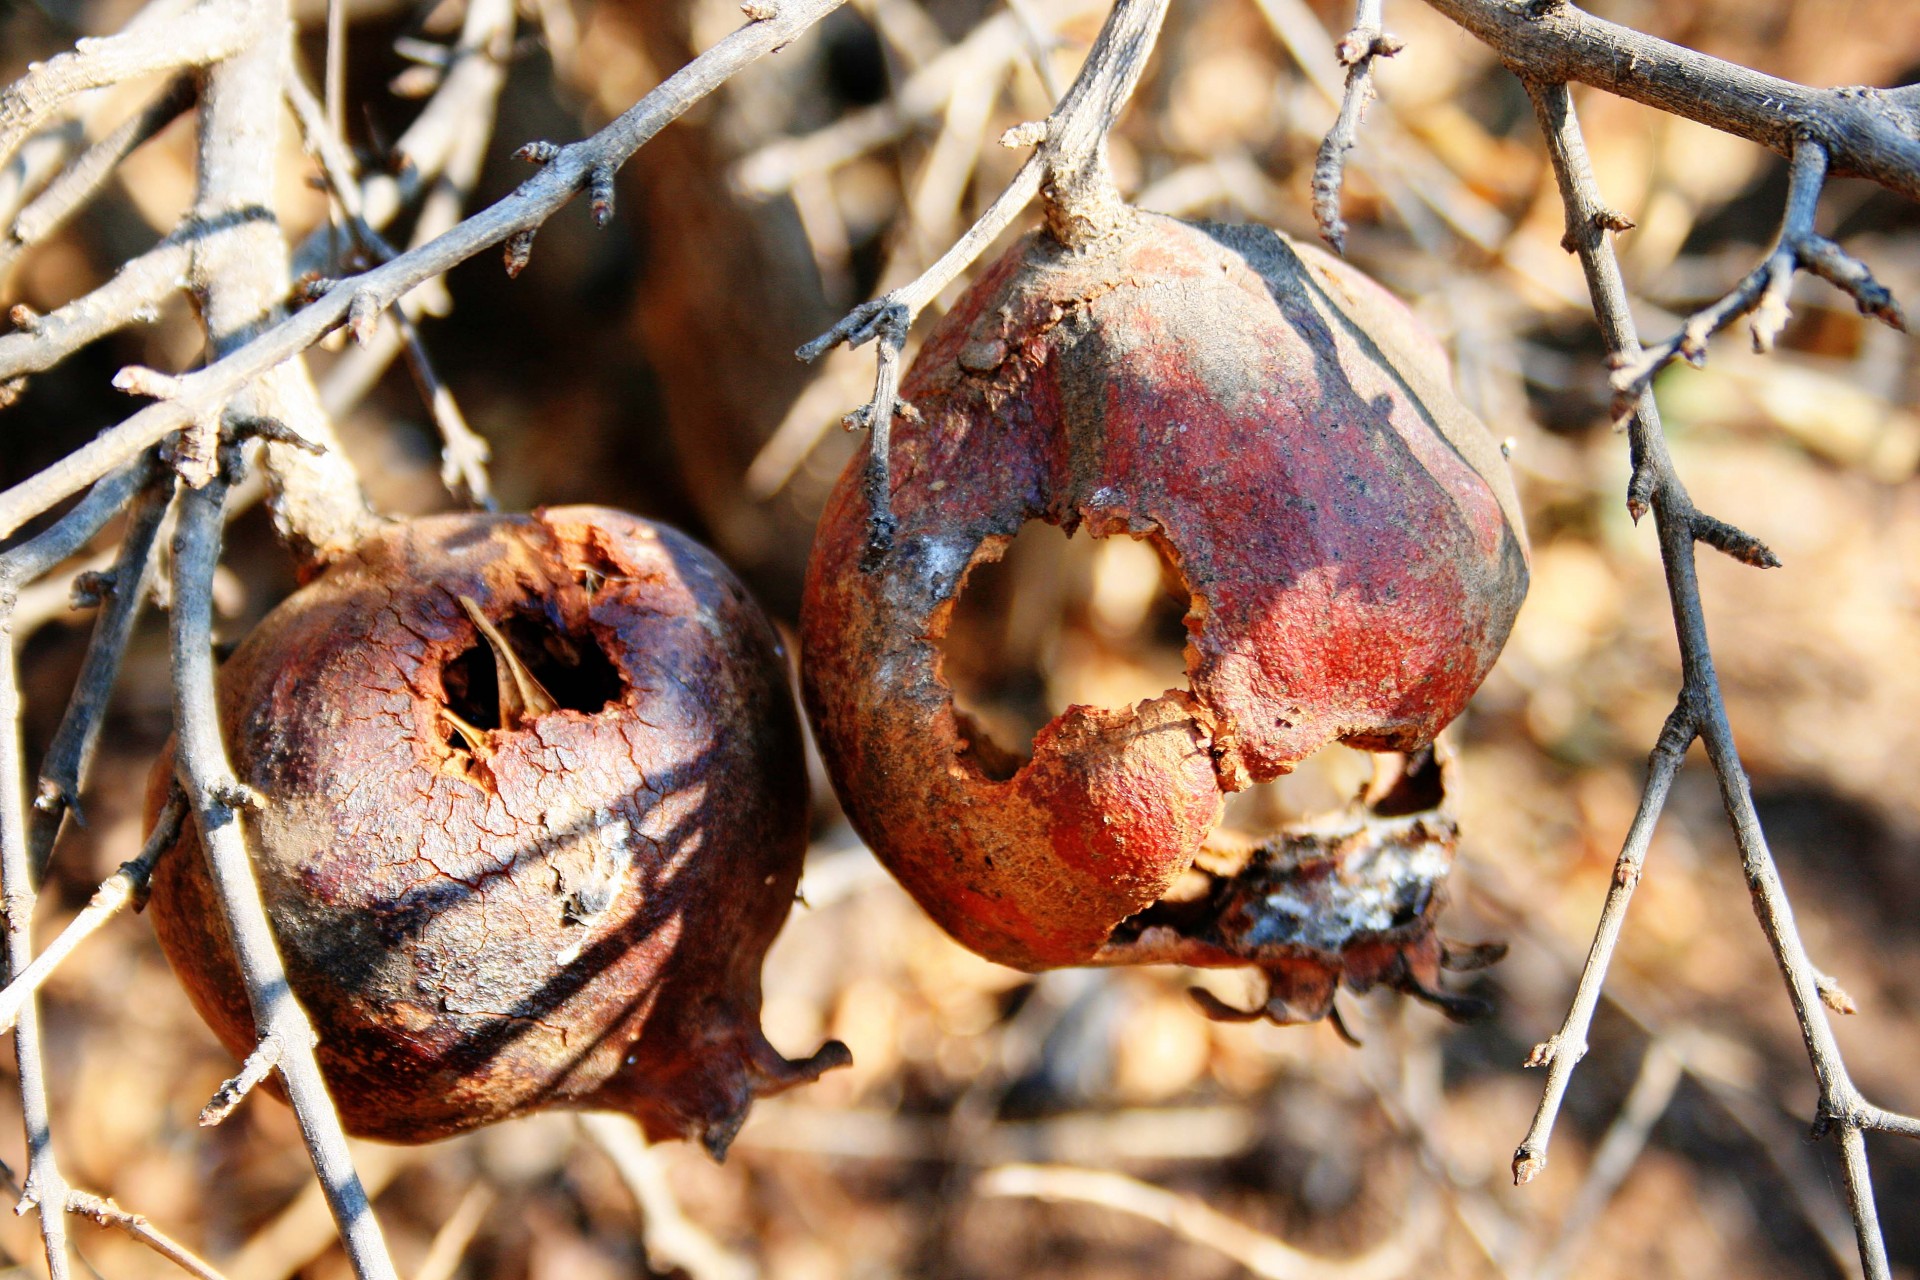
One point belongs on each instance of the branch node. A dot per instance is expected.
(760, 10)
(138, 380)
(24, 318)
(538, 152)
(237, 795)
(518, 252)
(600, 194)
(1739, 544)
(1527, 1165)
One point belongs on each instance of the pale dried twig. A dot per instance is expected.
(1193, 1220)
(673, 1240)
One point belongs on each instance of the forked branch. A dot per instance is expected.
(1701, 712)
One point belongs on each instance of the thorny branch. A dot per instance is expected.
(1068, 169)
(1764, 291)
(1701, 713)
(198, 396)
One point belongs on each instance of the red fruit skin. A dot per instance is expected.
(1285, 430)
(578, 918)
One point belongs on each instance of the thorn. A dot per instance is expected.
(138, 380)
(1030, 134)
(1835, 997)
(519, 251)
(363, 316)
(538, 152)
(1527, 1166)
(1340, 1025)
(91, 589)
(1739, 544)
(600, 189)
(1612, 220)
(1640, 493)
(238, 795)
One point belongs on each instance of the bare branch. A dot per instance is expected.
(205, 392)
(210, 31)
(1763, 293)
(124, 588)
(1841, 1107)
(1563, 1051)
(79, 182)
(108, 1214)
(127, 885)
(1869, 133)
(214, 794)
(1357, 49)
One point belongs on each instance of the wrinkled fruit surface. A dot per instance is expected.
(1347, 532)
(501, 886)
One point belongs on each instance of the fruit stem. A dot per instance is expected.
(1082, 204)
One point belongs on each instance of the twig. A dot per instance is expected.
(1561, 1053)
(108, 1214)
(1193, 1220)
(463, 458)
(133, 295)
(124, 588)
(1652, 1092)
(199, 395)
(47, 212)
(1868, 133)
(1357, 50)
(128, 884)
(673, 1240)
(455, 1234)
(45, 1188)
(1764, 291)
(210, 31)
(1068, 168)
(1656, 485)
(215, 795)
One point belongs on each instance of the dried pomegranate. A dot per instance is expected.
(1284, 432)
(534, 809)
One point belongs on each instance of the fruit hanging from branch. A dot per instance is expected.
(1284, 432)
(533, 809)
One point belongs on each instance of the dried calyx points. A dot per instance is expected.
(1285, 433)
(534, 811)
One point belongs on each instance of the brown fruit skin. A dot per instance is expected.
(1277, 422)
(576, 918)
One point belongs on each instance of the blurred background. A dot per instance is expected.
(649, 366)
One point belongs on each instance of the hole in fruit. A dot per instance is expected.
(1325, 782)
(1058, 621)
(572, 668)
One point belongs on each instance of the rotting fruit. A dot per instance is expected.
(1284, 432)
(533, 808)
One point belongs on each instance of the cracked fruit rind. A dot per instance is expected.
(567, 910)
(1285, 431)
